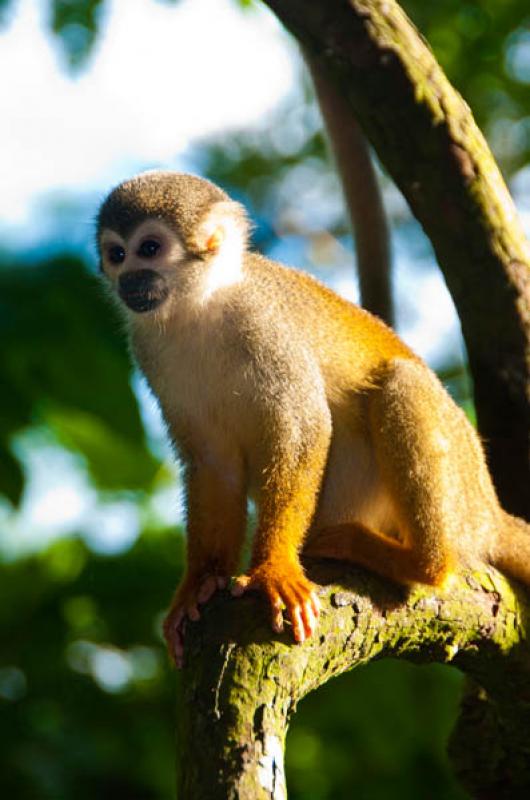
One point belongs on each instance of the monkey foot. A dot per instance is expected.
(286, 587)
(190, 595)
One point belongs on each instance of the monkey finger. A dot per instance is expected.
(207, 589)
(308, 618)
(193, 612)
(221, 582)
(172, 622)
(178, 650)
(277, 615)
(174, 626)
(298, 627)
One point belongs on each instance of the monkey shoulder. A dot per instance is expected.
(345, 339)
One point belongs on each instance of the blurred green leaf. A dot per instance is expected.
(71, 620)
(114, 461)
(381, 731)
(11, 476)
(76, 22)
(64, 360)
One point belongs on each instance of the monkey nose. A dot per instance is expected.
(142, 290)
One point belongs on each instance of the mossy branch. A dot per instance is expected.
(426, 138)
(241, 683)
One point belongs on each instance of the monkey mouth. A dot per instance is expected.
(142, 290)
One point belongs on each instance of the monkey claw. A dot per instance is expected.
(186, 606)
(287, 589)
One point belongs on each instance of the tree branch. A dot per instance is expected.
(241, 683)
(425, 136)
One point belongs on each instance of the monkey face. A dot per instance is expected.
(141, 267)
(170, 242)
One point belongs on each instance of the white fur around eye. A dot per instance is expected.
(171, 247)
(226, 267)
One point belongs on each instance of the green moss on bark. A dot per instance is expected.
(242, 683)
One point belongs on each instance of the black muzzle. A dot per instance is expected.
(142, 290)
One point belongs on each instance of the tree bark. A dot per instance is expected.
(241, 683)
(425, 136)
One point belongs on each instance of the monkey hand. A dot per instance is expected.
(286, 587)
(194, 590)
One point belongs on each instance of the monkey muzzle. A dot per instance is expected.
(142, 290)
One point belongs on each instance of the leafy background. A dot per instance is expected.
(86, 694)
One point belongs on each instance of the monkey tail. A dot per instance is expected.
(512, 552)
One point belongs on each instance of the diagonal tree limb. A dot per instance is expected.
(241, 684)
(425, 136)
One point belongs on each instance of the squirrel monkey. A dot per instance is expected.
(274, 387)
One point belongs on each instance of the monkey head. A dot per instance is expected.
(166, 235)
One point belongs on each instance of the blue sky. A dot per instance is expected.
(148, 91)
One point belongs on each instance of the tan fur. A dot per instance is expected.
(272, 386)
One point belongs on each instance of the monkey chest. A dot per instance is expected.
(203, 391)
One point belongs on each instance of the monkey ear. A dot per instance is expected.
(224, 227)
(216, 238)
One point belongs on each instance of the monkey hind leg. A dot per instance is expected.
(425, 451)
(512, 550)
(355, 543)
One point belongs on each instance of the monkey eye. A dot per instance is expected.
(116, 254)
(149, 248)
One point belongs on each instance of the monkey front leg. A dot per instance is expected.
(216, 518)
(286, 505)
